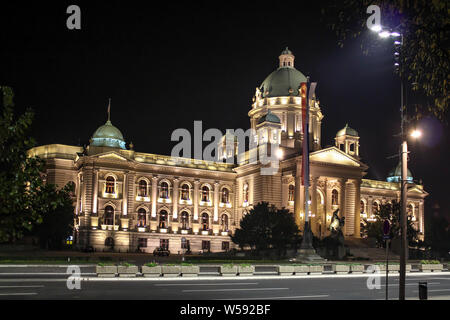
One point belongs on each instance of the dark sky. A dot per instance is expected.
(167, 64)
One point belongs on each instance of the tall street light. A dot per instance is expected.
(383, 33)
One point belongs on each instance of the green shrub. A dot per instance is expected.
(429, 262)
(126, 264)
(151, 264)
(244, 265)
(104, 264)
(186, 264)
(229, 265)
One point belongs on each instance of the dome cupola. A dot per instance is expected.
(108, 135)
(285, 81)
(395, 175)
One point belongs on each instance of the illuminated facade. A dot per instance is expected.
(128, 200)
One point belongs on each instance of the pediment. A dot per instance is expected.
(333, 155)
(112, 156)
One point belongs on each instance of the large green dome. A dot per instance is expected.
(108, 136)
(285, 81)
(395, 175)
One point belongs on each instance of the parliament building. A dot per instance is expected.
(127, 200)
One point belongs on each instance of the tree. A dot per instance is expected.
(437, 233)
(24, 197)
(57, 223)
(390, 212)
(424, 56)
(266, 227)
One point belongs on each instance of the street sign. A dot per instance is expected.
(386, 237)
(386, 227)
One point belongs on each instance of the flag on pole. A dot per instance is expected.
(307, 95)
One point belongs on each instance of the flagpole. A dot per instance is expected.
(307, 234)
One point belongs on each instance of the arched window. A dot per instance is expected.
(110, 182)
(246, 192)
(225, 195)
(109, 216)
(185, 192)
(163, 219)
(375, 207)
(410, 209)
(164, 190)
(224, 223)
(205, 194)
(142, 188)
(334, 197)
(291, 192)
(141, 217)
(205, 222)
(352, 147)
(362, 207)
(184, 220)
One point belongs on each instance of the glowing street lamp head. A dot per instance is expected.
(376, 28)
(384, 34)
(395, 34)
(416, 134)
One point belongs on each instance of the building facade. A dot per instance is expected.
(127, 200)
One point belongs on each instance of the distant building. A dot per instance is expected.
(127, 200)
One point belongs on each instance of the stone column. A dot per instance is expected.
(313, 207)
(357, 232)
(342, 185)
(326, 204)
(125, 194)
(369, 206)
(175, 197)
(216, 201)
(196, 183)
(77, 194)
(421, 215)
(154, 195)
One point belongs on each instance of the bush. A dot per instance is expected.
(126, 264)
(429, 262)
(151, 264)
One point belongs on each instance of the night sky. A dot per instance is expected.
(167, 64)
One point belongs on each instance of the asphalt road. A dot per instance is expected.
(347, 287)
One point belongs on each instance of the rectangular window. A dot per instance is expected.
(185, 245)
(142, 242)
(206, 245)
(225, 245)
(164, 244)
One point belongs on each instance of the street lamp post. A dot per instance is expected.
(404, 163)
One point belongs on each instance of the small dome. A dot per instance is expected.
(347, 131)
(269, 117)
(395, 175)
(286, 51)
(108, 136)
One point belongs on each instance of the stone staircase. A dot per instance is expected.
(361, 248)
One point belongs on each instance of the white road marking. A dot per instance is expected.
(275, 298)
(206, 284)
(18, 294)
(243, 289)
(435, 290)
(21, 287)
